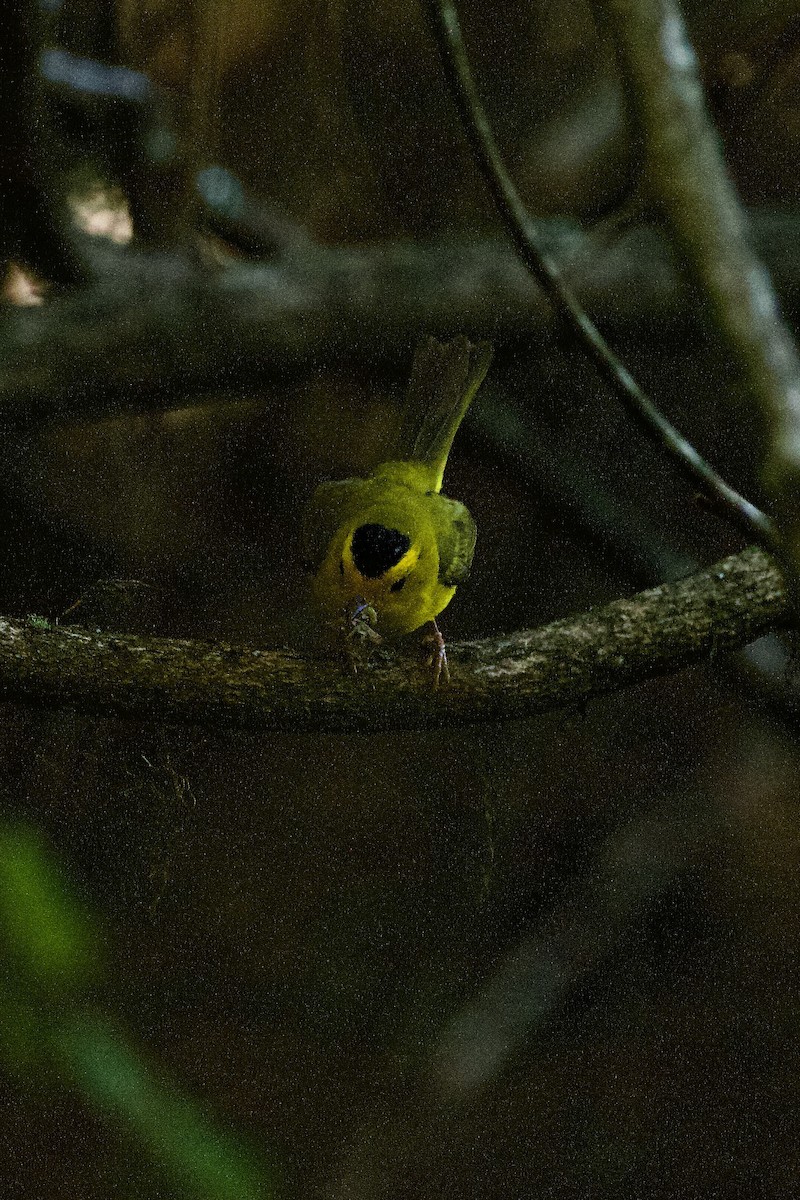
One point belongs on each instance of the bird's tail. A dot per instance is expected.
(444, 379)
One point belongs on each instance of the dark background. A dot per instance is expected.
(553, 958)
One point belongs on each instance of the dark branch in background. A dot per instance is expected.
(155, 325)
(228, 209)
(541, 460)
(633, 868)
(593, 925)
(534, 254)
(500, 678)
(687, 176)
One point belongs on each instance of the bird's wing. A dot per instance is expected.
(455, 537)
(326, 511)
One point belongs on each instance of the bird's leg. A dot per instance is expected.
(435, 654)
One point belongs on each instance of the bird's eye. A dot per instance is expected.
(341, 568)
(398, 587)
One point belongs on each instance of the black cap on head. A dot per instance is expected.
(375, 549)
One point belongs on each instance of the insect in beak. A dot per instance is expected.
(360, 620)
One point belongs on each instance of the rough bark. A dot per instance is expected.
(155, 679)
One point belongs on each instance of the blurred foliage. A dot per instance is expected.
(50, 940)
(171, 1129)
(47, 1024)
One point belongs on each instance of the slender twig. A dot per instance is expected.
(687, 176)
(499, 678)
(528, 243)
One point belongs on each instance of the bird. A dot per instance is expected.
(388, 551)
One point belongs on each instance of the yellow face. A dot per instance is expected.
(393, 571)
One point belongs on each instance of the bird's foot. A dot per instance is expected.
(435, 654)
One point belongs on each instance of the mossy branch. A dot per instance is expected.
(517, 675)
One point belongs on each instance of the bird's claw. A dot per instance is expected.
(435, 655)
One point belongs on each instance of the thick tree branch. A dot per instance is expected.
(152, 325)
(499, 678)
